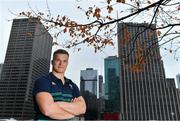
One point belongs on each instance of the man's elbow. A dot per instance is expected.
(82, 109)
(45, 110)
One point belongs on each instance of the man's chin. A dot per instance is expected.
(59, 71)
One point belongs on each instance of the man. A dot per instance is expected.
(55, 96)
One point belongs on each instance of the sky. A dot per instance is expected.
(86, 58)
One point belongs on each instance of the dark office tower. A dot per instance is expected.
(174, 98)
(100, 86)
(27, 57)
(178, 80)
(1, 67)
(143, 86)
(112, 86)
(89, 81)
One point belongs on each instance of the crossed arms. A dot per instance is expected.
(59, 110)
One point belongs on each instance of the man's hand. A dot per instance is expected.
(75, 100)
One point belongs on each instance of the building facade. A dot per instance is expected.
(178, 80)
(1, 67)
(100, 80)
(27, 57)
(89, 81)
(112, 84)
(88, 89)
(143, 87)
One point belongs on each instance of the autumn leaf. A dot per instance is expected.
(65, 30)
(110, 8)
(178, 7)
(63, 18)
(136, 68)
(29, 34)
(126, 37)
(108, 1)
(109, 17)
(97, 13)
(120, 1)
(158, 33)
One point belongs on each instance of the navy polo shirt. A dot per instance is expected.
(59, 91)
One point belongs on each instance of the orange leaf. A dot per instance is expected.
(29, 34)
(108, 1)
(65, 30)
(120, 1)
(97, 13)
(149, 2)
(178, 7)
(158, 33)
(64, 17)
(110, 9)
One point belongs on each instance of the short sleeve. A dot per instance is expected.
(76, 92)
(41, 85)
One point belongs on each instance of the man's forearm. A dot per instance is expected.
(58, 113)
(75, 108)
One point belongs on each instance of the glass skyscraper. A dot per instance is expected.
(112, 84)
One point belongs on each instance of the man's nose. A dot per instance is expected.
(60, 62)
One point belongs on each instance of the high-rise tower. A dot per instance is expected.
(178, 80)
(144, 92)
(27, 57)
(112, 90)
(89, 81)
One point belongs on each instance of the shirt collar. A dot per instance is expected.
(54, 78)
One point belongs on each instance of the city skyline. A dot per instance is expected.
(78, 60)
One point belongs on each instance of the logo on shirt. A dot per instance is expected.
(53, 83)
(71, 86)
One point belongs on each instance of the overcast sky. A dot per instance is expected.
(86, 58)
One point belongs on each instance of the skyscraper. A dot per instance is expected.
(88, 89)
(178, 81)
(112, 90)
(89, 81)
(144, 92)
(1, 67)
(100, 80)
(27, 57)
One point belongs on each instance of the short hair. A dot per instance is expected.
(60, 51)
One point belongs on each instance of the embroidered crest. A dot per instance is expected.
(71, 86)
(53, 83)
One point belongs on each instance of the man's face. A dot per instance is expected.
(60, 63)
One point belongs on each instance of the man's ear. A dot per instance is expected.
(52, 62)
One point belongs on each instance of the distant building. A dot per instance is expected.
(1, 67)
(27, 57)
(89, 81)
(174, 97)
(112, 84)
(101, 99)
(178, 80)
(100, 80)
(88, 89)
(144, 91)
